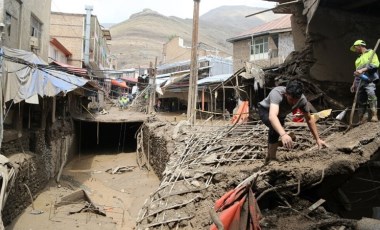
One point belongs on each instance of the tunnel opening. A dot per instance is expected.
(350, 194)
(106, 137)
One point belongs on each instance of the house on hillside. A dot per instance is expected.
(265, 45)
(176, 50)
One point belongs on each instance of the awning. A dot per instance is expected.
(174, 79)
(130, 79)
(71, 69)
(214, 79)
(119, 83)
(25, 76)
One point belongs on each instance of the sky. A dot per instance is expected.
(115, 11)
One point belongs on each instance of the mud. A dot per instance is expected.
(209, 161)
(119, 196)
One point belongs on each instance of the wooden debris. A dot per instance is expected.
(120, 169)
(314, 206)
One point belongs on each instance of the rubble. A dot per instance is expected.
(208, 161)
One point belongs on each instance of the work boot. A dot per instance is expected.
(363, 119)
(374, 115)
(373, 108)
(363, 116)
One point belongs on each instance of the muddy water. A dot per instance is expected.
(120, 195)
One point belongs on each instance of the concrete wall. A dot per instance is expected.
(18, 29)
(99, 50)
(241, 53)
(332, 34)
(69, 30)
(175, 50)
(286, 46)
(56, 55)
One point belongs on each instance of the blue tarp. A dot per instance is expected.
(22, 82)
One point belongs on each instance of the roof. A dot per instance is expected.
(71, 69)
(130, 79)
(61, 47)
(282, 24)
(214, 79)
(365, 7)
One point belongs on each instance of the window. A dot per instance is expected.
(8, 23)
(55, 55)
(35, 27)
(259, 48)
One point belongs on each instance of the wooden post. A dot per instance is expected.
(192, 97)
(150, 105)
(203, 99)
(152, 81)
(224, 98)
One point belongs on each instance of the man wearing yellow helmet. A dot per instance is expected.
(365, 74)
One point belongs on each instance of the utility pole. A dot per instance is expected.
(152, 82)
(193, 89)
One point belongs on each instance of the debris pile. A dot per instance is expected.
(208, 161)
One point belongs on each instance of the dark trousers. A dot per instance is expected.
(272, 134)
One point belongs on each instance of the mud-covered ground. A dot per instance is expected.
(119, 196)
(209, 161)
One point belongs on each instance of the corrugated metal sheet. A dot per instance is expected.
(279, 24)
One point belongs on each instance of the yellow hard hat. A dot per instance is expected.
(357, 43)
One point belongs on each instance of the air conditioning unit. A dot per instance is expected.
(34, 42)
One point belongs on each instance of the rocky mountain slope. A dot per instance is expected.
(139, 39)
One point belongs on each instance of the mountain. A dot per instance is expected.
(234, 17)
(139, 39)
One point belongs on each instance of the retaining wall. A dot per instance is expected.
(158, 145)
(37, 157)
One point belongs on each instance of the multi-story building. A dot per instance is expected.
(265, 45)
(86, 41)
(25, 25)
(58, 52)
(176, 50)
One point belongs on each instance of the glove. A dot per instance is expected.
(364, 77)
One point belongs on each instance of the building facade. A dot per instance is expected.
(176, 50)
(58, 52)
(25, 25)
(265, 45)
(70, 30)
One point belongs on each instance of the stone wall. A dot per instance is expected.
(30, 170)
(158, 145)
(37, 156)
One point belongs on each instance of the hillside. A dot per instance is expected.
(138, 40)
